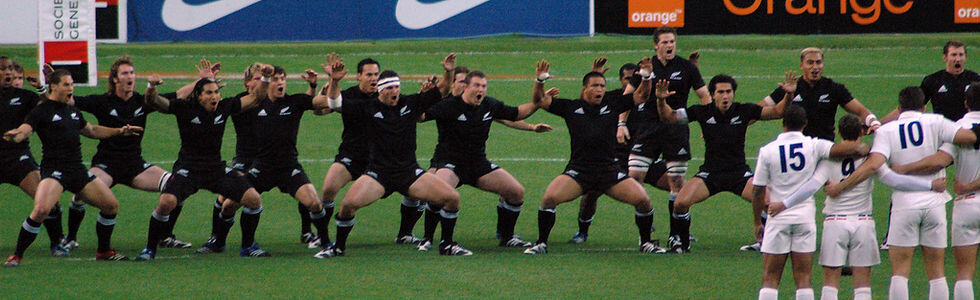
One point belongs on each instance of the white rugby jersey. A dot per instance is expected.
(910, 138)
(784, 165)
(854, 201)
(968, 158)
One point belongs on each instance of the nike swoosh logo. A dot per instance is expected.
(180, 16)
(415, 15)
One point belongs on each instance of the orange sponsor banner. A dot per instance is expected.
(656, 13)
(966, 11)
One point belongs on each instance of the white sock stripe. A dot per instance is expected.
(551, 210)
(29, 228)
(684, 216)
(507, 206)
(321, 214)
(109, 222)
(76, 205)
(448, 215)
(345, 223)
(158, 217)
(327, 204)
(586, 221)
(410, 202)
(644, 214)
(163, 181)
(249, 211)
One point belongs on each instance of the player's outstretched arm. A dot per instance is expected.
(310, 77)
(788, 86)
(667, 115)
(252, 99)
(445, 83)
(855, 107)
(335, 69)
(962, 188)
(909, 183)
(801, 193)
(101, 132)
(927, 165)
(541, 75)
(521, 125)
(642, 92)
(18, 134)
(205, 69)
(152, 95)
(849, 149)
(861, 173)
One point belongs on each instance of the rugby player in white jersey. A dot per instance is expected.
(966, 207)
(849, 228)
(918, 218)
(783, 166)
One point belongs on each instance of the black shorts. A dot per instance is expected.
(220, 180)
(288, 177)
(468, 172)
(657, 170)
(15, 166)
(670, 142)
(72, 178)
(396, 181)
(623, 155)
(596, 179)
(726, 181)
(355, 166)
(122, 170)
(241, 164)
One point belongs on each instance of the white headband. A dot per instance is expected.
(389, 82)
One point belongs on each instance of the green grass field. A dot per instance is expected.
(874, 68)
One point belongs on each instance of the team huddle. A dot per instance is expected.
(619, 140)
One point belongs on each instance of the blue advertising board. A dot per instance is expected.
(308, 20)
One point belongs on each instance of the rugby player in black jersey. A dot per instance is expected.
(456, 75)
(17, 165)
(946, 88)
(656, 174)
(275, 125)
(59, 125)
(592, 122)
(119, 160)
(201, 119)
(723, 123)
(391, 120)
(460, 158)
(669, 142)
(820, 97)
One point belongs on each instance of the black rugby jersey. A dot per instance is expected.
(246, 146)
(464, 128)
(59, 126)
(354, 140)
(592, 128)
(277, 124)
(947, 92)
(724, 134)
(820, 102)
(390, 130)
(112, 111)
(15, 105)
(201, 132)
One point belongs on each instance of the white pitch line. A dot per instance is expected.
(296, 77)
(474, 53)
(514, 159)
(158, 257)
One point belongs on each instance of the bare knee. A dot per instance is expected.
(251, 199)
(514, 196)
(166, 204)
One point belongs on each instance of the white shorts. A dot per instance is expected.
(849, 239)
(915, 227)
(966, 222)
(786, 238)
